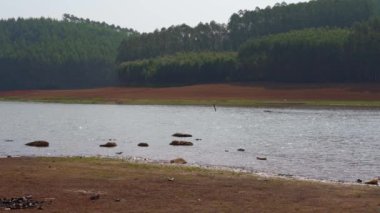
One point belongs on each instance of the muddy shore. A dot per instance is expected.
(110, 185)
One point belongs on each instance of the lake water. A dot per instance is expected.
(310, 143)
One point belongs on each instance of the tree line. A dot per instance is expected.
(180, 68)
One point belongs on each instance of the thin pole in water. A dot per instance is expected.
(214, 107)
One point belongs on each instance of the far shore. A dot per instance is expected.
(247, 95)
(69, 184)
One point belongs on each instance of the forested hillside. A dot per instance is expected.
(46, 53)
(315, 41)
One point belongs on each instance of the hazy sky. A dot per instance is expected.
(142, 15)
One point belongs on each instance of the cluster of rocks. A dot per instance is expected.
(25, 202)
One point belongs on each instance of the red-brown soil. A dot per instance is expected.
(125, 187)
(351, 92)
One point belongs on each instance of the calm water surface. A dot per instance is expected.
(310, 143)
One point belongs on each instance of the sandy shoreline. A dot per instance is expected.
(142, 187)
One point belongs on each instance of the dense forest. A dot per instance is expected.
(181, 68)
(315, 41)
(46, 53)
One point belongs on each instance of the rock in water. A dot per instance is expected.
(182, 135)
(181, 143)
(241, 150)
(143, 145)
(178, 161)
(373, 182)
(109, 145)
(261, 158)
(38, 144)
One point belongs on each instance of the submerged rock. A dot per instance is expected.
(38, 144)
(182, 135)
(9, 140)
(143, 145)
(181, 143)
(178, 161)
(109, 145)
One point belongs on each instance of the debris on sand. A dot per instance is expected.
(38, 144)
(143, 145)
(95, 197)
(109, 145)
(182, 135)
(181, 143)
(25, 202)
(178, 161)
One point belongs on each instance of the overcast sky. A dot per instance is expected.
(141, 15)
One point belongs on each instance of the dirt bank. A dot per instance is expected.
(263, 92)
(122, 187)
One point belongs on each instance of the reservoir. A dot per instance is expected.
(324, 144)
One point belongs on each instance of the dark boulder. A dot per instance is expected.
(143, 145)
(181, 143)
(182, 135)
(109, 145)
(38, 144)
